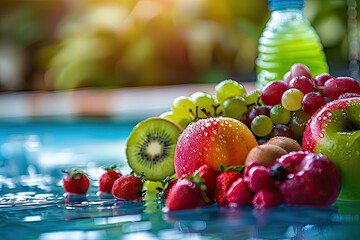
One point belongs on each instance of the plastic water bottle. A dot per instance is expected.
(288, 38)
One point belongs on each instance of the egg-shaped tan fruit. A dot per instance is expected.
(264, 154)
(288, 144)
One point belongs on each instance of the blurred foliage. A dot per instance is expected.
(67, 44)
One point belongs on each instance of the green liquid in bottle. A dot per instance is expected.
(288, 38)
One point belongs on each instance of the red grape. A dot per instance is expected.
(245, 119)
(321, 79)
(272, 92)
(302, 83)
(287, 77)
(253, 112)
(260, 110)
(282, 130)
(312, 101)
(300, 69)
(334, 87)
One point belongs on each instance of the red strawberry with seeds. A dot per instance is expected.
(128, 188)
(223, 183)
(108, 178)
(75, 182)
(169, 186)
(208, 176)
(185, 194)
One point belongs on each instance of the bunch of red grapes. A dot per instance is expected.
(285, 106)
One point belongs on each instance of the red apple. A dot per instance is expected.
(310, 179)
(219, 141)
(334, 130)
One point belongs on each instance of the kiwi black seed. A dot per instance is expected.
(150, 148)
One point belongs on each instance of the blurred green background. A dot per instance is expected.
(65, 44)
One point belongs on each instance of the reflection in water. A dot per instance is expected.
(51, 214)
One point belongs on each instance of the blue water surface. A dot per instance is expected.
(33, 206)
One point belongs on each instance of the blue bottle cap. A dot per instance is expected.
(285, 4)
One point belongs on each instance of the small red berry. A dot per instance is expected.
(259, 178)
(75, 182)
(249, 166)
(208, 177)
(171, 183)
(128, 188)
(108, 178)
(239, 194)
(267, 198)
(185, 194)
(223, 183)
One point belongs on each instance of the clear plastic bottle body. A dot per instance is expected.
(288, 38)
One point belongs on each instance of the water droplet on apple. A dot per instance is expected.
(321, 135)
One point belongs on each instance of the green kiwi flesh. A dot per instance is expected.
(150, 148)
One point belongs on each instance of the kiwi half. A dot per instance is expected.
(150, 148)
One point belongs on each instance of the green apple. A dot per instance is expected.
(334, 130)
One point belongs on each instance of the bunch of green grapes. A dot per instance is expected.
(229, 99)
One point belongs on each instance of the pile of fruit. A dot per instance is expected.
(296, 142)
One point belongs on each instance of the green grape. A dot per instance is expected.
(234, 107)
(229, 88)
(279, 115)
(204, 100)
(298, 122)
(183, 122)
(183, 107)
(291, 99)
(261, 125)
(252, 97)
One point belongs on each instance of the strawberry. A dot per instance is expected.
(128, 188)
(170, 185)
(108, 178)
(223, 183)
(75, 182)
(239, 194)
(185, 194)
(167, 184)
(208, 177)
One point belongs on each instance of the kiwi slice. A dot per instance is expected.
(150, 148)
